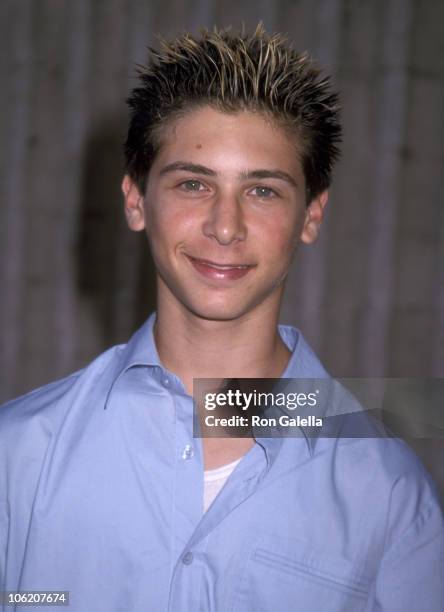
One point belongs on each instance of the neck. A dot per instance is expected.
(247, 347)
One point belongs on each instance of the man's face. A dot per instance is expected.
(224, 210)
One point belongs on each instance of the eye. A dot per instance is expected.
(264, 192)
(192, 185)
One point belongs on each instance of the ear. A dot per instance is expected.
(313, 218)
(134, 205)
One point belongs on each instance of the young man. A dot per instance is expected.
(104, 492)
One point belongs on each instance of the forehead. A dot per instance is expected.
(244, 138)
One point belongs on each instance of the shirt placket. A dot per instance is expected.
(191, 566)
(187, 507)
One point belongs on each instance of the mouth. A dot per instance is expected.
(220, 271)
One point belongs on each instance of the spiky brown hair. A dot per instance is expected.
(233, 72)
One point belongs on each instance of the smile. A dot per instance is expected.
(219, 271)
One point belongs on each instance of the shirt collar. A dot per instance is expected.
(141, 348)
(303, 363)
(141, 351)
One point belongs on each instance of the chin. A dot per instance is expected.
(222, 310)
(211, 305)
(217, 313)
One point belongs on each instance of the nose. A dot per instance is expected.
(225, 221)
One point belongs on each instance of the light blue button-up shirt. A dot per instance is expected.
(101, 495)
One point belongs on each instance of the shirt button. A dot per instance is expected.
(166, 381)
(187, 559)
(188, 452)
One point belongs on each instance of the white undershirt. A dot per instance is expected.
(214, 480)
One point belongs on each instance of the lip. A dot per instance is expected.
(219, 271)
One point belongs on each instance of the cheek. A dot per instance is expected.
(281, 237)
(169, 227)
(163, 216)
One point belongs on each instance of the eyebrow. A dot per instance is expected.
(263, 174)
(187, 167)
(253, 174)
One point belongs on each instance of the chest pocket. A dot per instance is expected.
(288, 575)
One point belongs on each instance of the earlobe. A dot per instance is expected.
(313, 218)
(134, 205)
